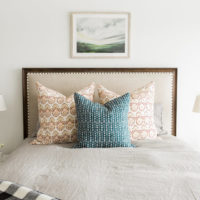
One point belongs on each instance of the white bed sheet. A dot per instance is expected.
(160, 169)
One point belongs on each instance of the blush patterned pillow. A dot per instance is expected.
(57, 115)
(141, 111)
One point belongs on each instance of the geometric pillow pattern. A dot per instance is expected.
(57, 115)
(102, 126)
(141, 111)
(13, 191)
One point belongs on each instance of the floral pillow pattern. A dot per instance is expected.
(141, 110)
(57, 115)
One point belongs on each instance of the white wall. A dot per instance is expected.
(35, 33)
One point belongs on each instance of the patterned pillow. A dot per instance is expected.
(102, 125)
(141, 113)
(57, 115)
(13, 191)
(158, 111)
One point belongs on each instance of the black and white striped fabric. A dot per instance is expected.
(12, 191)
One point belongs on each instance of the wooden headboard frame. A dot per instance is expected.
(25, 72)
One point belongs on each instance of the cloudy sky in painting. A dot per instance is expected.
(100, 31)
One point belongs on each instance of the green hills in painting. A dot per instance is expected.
(105, 48)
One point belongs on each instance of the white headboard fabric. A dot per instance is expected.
(69, 80)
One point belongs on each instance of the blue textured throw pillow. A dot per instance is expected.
(102, 125)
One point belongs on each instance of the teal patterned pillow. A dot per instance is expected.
(102, 125)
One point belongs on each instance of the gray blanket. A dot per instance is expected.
(160, 169)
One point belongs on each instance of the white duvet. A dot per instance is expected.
(161, 169)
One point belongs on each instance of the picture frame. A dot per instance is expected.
(100, 34)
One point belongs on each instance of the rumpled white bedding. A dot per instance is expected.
(160, 169)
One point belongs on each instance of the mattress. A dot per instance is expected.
(160, 169)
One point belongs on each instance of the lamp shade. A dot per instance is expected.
(196, 107)
(2, 103)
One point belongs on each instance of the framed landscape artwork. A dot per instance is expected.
(100, 35)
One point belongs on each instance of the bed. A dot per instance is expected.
(162, 168)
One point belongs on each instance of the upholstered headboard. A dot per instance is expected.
(69, 80)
